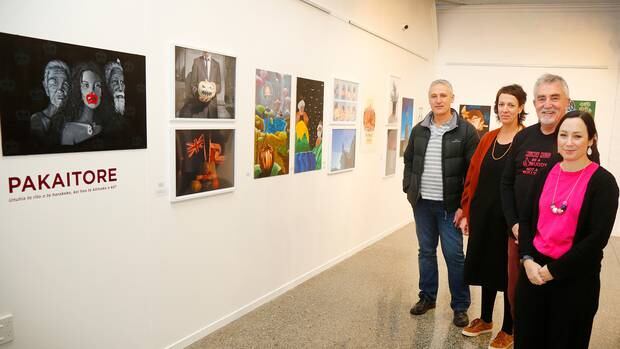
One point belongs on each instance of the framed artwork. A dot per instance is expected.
(204, 84)
(394, 99)
(272, 118)
(345, 101)
(406, 124)
(61, 98)
(390, 152)
(587, 106)
(204, 162)
(309, 125)
(369, 122)
(342, 150)
(419, 115)
(477, 115)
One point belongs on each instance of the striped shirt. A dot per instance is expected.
(432, 178)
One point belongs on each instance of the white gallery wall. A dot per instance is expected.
(482, 48)
(126, 268)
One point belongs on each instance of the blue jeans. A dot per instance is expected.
(432, 222)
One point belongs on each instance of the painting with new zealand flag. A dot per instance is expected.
(309, 125)
(204, 162)
(272, 117)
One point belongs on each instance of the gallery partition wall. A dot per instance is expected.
(161, 175)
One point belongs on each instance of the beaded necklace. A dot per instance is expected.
(560, 210)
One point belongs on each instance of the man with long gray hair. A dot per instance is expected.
(115, 80)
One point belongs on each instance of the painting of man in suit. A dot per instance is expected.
(208, 89)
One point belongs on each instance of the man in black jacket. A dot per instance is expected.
(436, 161)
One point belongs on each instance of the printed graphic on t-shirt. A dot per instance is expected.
(535, 160)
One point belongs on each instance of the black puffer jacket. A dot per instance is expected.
(458, 146)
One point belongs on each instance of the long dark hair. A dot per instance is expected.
(75, 99)
(588, 120)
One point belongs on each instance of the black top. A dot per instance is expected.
(458, 146)
(531, 151)
(486, 262)
(491, 172)
(594, 226)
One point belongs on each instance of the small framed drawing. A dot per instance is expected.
(203, 162)
(394, 92)
(342, 153)
(346, 97)
(204, 84)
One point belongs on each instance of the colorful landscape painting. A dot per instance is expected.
(272, 117)
(309, 125)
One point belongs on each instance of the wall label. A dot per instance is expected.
(68, 183)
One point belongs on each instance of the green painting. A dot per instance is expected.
(589, 106)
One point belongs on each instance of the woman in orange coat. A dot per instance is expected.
(483, 219)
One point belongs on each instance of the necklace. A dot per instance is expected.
(493, 151)
(560, 210)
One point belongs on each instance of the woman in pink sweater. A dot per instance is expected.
(561, 244)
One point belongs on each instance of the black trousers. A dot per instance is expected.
(558, 314)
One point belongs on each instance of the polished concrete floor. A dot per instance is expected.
(364, 302)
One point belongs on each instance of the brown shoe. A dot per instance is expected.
(503, 340)
(477, 327)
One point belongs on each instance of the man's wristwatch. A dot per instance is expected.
(526, 257)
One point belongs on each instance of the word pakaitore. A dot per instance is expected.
(61, 180)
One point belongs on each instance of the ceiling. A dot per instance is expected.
(522, 2)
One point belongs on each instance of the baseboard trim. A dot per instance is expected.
(205, 331)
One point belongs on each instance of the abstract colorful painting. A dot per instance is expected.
(309, 125)
(345, 101)
(406, 124)
(587, 106)
(272, 117)
(60, 98)
(390, 152)
(477, 115)
(343, 149)
(204, 84)
(394, 99)
(204, 162)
